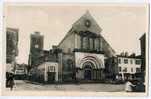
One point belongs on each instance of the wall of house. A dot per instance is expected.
(131, 65)
(11, 42)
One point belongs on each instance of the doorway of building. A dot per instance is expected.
(87, 74)
(51, 77)
(88, 67)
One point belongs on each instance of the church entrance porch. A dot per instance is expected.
(89, 67)
(89, 73)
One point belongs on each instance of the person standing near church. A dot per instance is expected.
(11, 81)
(129, 86)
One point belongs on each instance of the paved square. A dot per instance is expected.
(98, 87)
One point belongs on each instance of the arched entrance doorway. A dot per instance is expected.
(87, 67)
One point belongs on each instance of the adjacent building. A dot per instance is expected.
(143, 51)
(143, 55)
(128, 66)
(48, 72)
(11, 48)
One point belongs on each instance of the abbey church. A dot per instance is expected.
(80, 56)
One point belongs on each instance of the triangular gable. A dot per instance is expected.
(81, 24)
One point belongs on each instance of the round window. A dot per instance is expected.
(87, 23)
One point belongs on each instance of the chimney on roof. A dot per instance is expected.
(122, 54)
(133, 55)
(126, 54)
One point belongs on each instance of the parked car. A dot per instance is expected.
(20, 73)
(139, 86)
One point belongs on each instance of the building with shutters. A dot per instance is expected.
(128, 67)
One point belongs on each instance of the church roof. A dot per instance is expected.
(88, 23)
(80, 25)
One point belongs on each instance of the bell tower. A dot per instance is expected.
(36, 48)
(36, 42)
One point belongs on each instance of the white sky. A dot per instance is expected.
(122, 25)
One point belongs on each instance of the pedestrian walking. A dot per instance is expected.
(11, 81)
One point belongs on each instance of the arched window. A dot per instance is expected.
(81, 40)
(91, 43)
(85, 43)
(97, 44)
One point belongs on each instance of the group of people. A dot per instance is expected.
(137, 87)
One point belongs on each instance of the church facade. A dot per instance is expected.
(82, 52)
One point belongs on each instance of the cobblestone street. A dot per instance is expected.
(25, 85)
